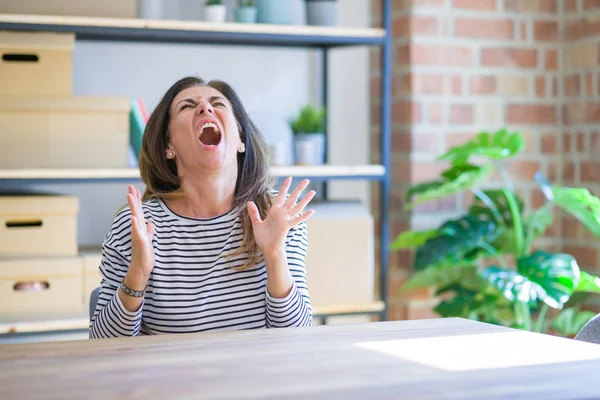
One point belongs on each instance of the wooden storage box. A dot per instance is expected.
(64, 132)
(36, 63)
(91, 274)
(340, 259)
(40, 289)
(38, 226)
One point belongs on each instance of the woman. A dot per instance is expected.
(209, 246)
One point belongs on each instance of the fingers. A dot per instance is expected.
(150, 228)
(280, 199)
(253, 213)
(134, 198)
(303, 217)
(298, 208)
(296, 193)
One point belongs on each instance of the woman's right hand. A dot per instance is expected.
(142, 250)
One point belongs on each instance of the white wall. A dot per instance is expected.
(272, 83)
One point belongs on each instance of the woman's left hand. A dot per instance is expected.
(270, 233)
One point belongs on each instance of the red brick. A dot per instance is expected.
(571, 227)
(590, 171)
(531, 114)
(553, 170)
(461, 114)
(572, 85)
(444, 204)
(531, 6)
(523, 170)
(555, 86)
(456, 82)
(569, 171)
(589, 84)
(591, 4)
(580, 136)
(567, 142)
(586, 256)
(548, 143)
(582, 28)
(551, 60)
(509, 57)
(401, 27)
(538, 199)
(482, 85)
(423, 25)
(594, 142)
(421, 311)
(524, 31)
(545, 31)
(457, 139)
(571, 5)
(420, 142)
(445, 55)
(406, 112)
(403, 57)
(407, 171)
(484, 28)
(436, 113)
(427, 83)
(540, 86)
(581, 113)
(484, 5)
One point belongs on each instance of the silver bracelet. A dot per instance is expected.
(130, 292)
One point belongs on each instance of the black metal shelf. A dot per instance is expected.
(166, 31)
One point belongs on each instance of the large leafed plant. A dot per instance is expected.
(468, 260)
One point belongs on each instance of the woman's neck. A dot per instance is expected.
(206, 195)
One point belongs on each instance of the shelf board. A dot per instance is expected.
(320, 172)
(81, 323)
(123, 29)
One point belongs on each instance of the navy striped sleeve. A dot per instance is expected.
(294, 310)
(111, 318)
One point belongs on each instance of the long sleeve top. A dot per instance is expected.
(194, 286)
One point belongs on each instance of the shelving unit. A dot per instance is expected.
(160, 31)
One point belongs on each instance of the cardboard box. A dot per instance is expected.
(38, 226)
(340, 259)
(36, 63)
(40, 289)
(85, 8)
(64, 132)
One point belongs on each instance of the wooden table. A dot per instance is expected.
(428, 359)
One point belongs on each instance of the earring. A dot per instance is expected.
(242, 148)
(170, 154)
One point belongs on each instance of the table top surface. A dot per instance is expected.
(425, 359)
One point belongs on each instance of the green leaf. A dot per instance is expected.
(458, 241)
(538, 221)
(514, 286)
(410, 239)
(557, 274)
(499, 145)
(588, 283)
(581, 204)
(570, 321)
(444, 275)
(456, 179)
(481, 211)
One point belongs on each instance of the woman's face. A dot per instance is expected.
(204, 135)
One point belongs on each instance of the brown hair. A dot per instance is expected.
(253, 180)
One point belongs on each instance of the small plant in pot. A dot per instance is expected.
(309, 136)
(246, 11)
(321, 12)
(215, 11)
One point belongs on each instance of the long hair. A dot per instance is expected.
(253, 181)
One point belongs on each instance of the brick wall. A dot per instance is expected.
(581, 139)
(463, 66)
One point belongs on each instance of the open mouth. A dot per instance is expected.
(210, 134)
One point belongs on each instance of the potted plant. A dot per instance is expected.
(484, 265)
(215, 11)
(321, 12)
(150, 9)
(309, 135)
(274, 11)
(246, 11)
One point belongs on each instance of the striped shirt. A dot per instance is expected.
(193, 287)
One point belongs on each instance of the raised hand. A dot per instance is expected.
(142, 250)
(270, 233)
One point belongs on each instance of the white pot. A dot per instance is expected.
(309, 149)
(321, 12)
(150, 9)
(216, 13)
